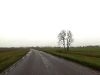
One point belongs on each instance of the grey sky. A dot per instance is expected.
(38, 22)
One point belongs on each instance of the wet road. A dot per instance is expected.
(40, 63)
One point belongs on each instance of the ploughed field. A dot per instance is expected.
(9, 56)
(88, 56)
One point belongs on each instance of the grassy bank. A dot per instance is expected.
(86, 56)
(9, 56)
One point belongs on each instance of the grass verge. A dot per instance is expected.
(87, 57)
(10, 56)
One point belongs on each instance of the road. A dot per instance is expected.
(40, 63)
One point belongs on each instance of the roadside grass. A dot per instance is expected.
(87, 56)
(10, 55)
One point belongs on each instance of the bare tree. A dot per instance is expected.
(69, 39)
(65, 39)
(62, 38)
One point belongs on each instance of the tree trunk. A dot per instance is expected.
(64, 45)
(67, 48)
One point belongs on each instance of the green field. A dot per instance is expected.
(88, 56)
(9, 56)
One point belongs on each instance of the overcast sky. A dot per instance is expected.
(38, 22)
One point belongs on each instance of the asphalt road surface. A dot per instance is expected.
(40, 63)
